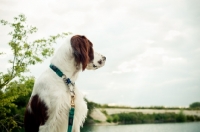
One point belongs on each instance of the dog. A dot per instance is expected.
(50, 101)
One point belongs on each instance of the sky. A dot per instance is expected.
(152, 47)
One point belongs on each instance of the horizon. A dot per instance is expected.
(122, 105)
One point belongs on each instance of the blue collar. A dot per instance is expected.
(60, 74)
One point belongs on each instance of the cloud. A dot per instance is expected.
(147, 61)
(172, 34)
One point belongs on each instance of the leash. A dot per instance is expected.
(70, 85)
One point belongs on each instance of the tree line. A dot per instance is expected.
(139, 118)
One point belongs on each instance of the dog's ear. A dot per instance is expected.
(82, 50)
(91, 51)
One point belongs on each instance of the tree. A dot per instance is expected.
(195, 105)
(13, 83)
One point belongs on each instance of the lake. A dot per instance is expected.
(168, 127)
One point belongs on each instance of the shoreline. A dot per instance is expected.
(149, 111)
(117, 124)
(103, 116)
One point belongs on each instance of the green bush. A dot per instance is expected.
(181, 117)
(115, 118)
(109, 119)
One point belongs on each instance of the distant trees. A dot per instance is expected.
(15, 86)
(138, 118)
(195, 105)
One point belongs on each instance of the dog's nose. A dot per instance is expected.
(104, 58)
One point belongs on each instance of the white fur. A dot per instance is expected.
(55, 94)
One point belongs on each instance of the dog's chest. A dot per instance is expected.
(64, 100)
(56, 96)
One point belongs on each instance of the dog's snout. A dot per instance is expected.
(104, 58)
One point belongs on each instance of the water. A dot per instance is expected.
(171, 127)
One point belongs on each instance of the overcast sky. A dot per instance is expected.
(152, 46)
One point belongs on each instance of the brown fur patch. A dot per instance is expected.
(37, 116)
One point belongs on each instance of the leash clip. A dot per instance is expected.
(70, 84)
(72, 101)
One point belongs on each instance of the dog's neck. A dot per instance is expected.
(65, 61)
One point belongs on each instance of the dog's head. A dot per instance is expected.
(84, 53)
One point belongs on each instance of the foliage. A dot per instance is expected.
(109, 119)
(138, 117)
(25, 53)
(115, 118)
(15, 87)
(104, 112)
(181, 117)
(195, 105)
(13, 102)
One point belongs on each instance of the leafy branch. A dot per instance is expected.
(26, 53)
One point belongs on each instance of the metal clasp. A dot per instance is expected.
(63, 77)
(72, 101)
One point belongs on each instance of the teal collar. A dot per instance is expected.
(56, 70)
(60, 74)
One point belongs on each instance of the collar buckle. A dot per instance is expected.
(67, 80)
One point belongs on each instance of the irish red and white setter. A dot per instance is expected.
(49, 105)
